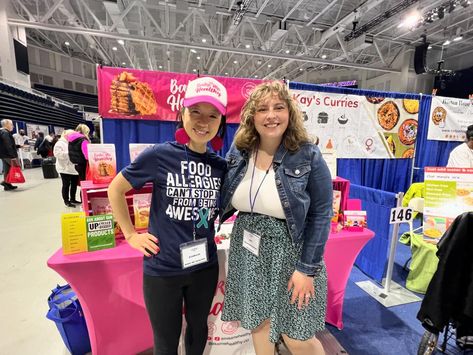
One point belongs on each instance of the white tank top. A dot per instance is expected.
(267, 200)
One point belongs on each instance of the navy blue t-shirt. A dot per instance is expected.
(185, 188)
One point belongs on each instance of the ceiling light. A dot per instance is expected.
(193, 50)
(235, 62)
(198, 57)
(247, 46)
(256, 76)
(194, 70)
(410, 20)
(204, 40)
(458, 38)
(258, 62)
(288, 51)
(429, 47)
(114, 48)
(121, 42)
(123, 63)
(269, 65)
(301, 69)
(446, 43)
(226, 73)
(160, 67)
(323, 56)
(67, 43)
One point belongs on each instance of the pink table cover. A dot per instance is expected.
(109, 284)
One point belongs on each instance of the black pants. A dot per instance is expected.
(69, 187)
(6, 167)
(163, 298)
(81, 169)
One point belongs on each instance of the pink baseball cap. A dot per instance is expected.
(207, 90)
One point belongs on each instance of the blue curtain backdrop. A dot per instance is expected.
(384, 174)
(377, 204)
(122, 132)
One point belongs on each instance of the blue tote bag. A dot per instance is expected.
(66, 312)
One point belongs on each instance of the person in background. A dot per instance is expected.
(78, 152)
(66, 170)
(186, 268)
(20, 138)
(39, 145)
(8, 151)
(462, 155)
(281, 186)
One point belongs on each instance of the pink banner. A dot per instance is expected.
(153, 95)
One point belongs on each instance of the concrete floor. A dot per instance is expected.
(30, 232)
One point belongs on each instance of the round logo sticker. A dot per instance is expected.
(247, 89)
(229, 327)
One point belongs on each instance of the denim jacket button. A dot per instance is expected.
(293, 226)
(286, 204)
(297, 172)
(278, 182)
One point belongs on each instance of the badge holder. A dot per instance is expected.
(194, 253)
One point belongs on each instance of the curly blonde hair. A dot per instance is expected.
(247, 137)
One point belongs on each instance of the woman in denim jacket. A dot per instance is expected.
(279, 182)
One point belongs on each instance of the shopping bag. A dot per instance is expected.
(15, 176)
(66, 311)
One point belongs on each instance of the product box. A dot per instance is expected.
(354, 220)
(337, 196)
(101, 205)
(100, 234)
(136, 149)
(74, 239)
(141, 207)
(102, 163)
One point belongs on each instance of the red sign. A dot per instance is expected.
(152, 95)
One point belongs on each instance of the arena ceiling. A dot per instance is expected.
(248, 38)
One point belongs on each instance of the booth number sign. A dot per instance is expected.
(400, 215)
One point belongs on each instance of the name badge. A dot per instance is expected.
(251, 242)
(194, 253)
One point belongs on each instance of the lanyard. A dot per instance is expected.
(253, 201)
(190, 193)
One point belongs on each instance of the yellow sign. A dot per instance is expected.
(74, 237)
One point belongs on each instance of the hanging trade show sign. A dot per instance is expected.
(361, 127)
(154, 95)
(449, 118)
(448, 193)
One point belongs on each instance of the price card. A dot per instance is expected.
(74, 239)
(400, 215)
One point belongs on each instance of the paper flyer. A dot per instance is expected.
(100, 234)
(102, 162)
(448, 193)
(74, 239)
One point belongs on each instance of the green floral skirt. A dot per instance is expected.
(256, 287)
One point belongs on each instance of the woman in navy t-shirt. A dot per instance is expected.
(180, 264)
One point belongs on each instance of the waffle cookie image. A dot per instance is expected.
(130, 96)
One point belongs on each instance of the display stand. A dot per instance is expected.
(392, 294)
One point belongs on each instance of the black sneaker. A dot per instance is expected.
(68, 204)
(76, 202)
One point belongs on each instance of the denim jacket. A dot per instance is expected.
(305, 189)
